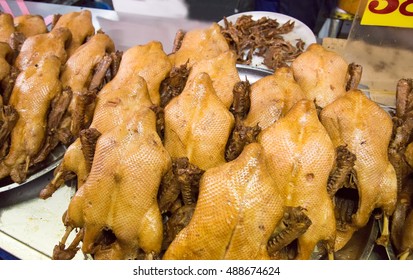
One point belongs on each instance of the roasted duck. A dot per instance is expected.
(300, 156)
(116, 208)
(249, 206)
(223, 72)
(32, 96)
(37, 47)
(30, 25)
(198, 124)
(6, 27)
(272, 97)
(351, 121)
(117, 100)
(80, 25)
(84, 74)
(199, 44)
(322, 74)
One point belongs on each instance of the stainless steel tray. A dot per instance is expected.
(54, 158)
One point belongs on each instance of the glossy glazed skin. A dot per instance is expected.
(35, 89)
(272, 97)
(249, 208)
(321, 74)
(80, 25)
(197, 124)
(300, 156)
(365, 128)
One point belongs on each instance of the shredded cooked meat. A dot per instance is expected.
(262, 37)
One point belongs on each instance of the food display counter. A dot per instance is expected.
(31, 227)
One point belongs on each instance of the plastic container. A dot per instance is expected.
(385, 52)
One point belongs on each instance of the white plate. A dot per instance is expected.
(300, 31)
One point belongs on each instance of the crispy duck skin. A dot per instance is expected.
(30, 25)
(198, 124)
(6, 27)
(300, 156)
(223, 72)
(150, 62)
(36, 48)
(80, 25)
(119, 194)
(322, 74)
(84, 73)
(59, 106)
(249, 209)
(79, 69)
(114, 106)
(272, 97)
(199, 44)
(35, 89)
(117, 100)
(352, 121)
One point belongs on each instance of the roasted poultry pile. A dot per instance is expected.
(49, 80)
(175, 156)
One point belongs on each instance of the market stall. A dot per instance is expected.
(46, 212)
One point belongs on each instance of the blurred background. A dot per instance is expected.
(324, 17)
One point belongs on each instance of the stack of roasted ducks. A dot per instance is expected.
(176, 156)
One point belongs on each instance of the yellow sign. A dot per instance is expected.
(398, 13)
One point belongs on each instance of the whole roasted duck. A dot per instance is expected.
(35, 90)
(352, 121)
(300, 156)
(198, 124)
(116, 101)
(249, 204)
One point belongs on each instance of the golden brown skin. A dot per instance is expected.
(322, 74)
(150, 62)
(80, 25)
(35, 89)
(120, 191)
(37, 47)
(272, 97)
(198, 124)
(365, 128)
(78, 70)
(6, 27)
(78, 73)
(115, 105)
(200, 44)
(125, 94)
(249, 206)
(30, 25)
(223, 72)
(300, 156)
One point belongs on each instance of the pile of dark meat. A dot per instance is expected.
(264, 38)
